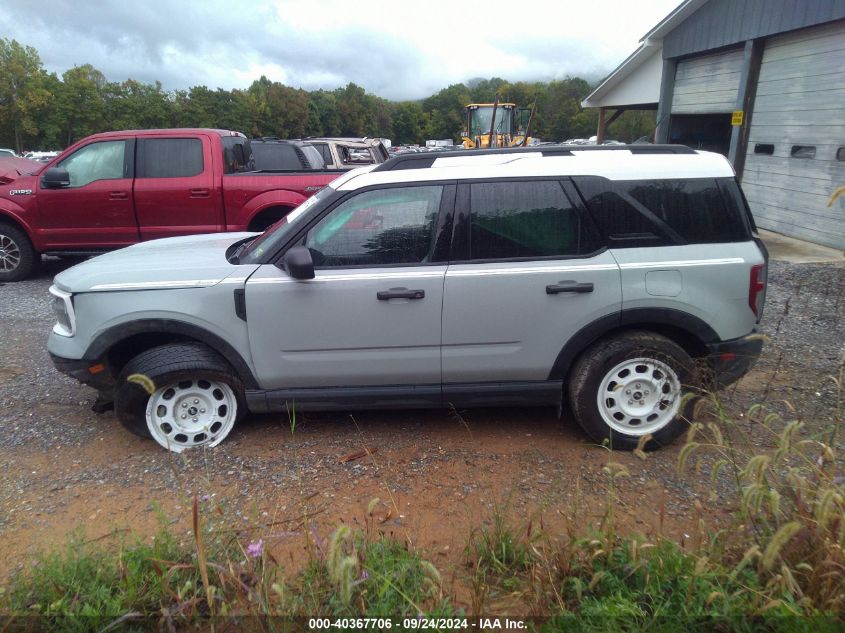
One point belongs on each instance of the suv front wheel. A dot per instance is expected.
(632, 385)
(181, 395)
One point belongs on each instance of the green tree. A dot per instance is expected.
(22, 90)
(446, 112)
(79, 103)
(408, 122)
(352, 108)
(323, 116)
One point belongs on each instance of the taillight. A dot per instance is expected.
(757, 290)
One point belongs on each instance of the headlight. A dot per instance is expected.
(63, 308)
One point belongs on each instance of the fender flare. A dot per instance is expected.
(267, 199)
(115, 334)
(693, 328)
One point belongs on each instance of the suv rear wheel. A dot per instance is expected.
(630, 386)
(181, 395)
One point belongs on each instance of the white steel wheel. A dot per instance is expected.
(190, 413)
(639, 396)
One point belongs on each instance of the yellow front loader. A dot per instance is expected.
(491, 125)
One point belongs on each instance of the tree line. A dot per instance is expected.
(41, 111)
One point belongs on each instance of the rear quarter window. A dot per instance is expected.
(661, 212)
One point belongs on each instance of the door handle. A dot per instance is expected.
(399, 293)
(118, 195)
(569, 286)
(199, 193)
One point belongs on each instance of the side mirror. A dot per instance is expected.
(298, 263)
(55, 178)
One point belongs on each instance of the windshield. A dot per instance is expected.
(277, 234)
(480, 120)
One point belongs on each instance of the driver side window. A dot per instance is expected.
(376, 228)
(97, 161)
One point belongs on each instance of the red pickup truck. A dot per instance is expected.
(117, 188)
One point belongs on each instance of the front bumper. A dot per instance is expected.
(728, 361)
(92, 373)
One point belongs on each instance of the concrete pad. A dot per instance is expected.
(788, 249)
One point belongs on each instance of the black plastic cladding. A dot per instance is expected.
(423, 161)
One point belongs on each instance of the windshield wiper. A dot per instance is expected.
(236, 256)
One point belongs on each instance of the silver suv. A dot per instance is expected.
(609, 279)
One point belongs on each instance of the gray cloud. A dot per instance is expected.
(396, 50)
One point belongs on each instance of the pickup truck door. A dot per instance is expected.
(176, 192)
(96, 210)
(371, 316)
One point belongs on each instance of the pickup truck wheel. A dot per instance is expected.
(632, 385)
(17, 257)
(195, 401)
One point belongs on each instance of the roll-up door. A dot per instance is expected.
(705, 94)
(796, 148)
(707, 84)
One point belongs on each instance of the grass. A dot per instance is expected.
(779, 564)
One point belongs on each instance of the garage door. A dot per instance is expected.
(707, 84)
(796, 149)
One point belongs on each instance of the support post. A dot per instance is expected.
(752, 59)
(600, 130)
(664, 105)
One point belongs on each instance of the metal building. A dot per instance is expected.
(761, 81)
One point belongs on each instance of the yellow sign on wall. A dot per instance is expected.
(736, 117)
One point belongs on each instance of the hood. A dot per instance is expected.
(13, 167)
(193, 261)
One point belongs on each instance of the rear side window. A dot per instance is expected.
(527, 219)
(170, 158)
(314, 157)
(325, 152)
(654, 212)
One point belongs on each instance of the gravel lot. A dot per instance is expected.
(438, 474)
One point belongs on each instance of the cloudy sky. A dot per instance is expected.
(397, 49)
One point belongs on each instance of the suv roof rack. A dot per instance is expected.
(424, 160)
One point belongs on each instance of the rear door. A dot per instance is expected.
(175, 189)
(371, 316)
(533, 274)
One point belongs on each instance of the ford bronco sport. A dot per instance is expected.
(612, 280)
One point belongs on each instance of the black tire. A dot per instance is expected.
(17, 257)
(173, 364)
(598, 369)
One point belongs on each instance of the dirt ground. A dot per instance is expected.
(437, 474)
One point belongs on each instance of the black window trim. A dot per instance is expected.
(442, 229)
(140, 149)
(461, 236)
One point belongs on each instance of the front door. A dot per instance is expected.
(371, 317)
(96, 210)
